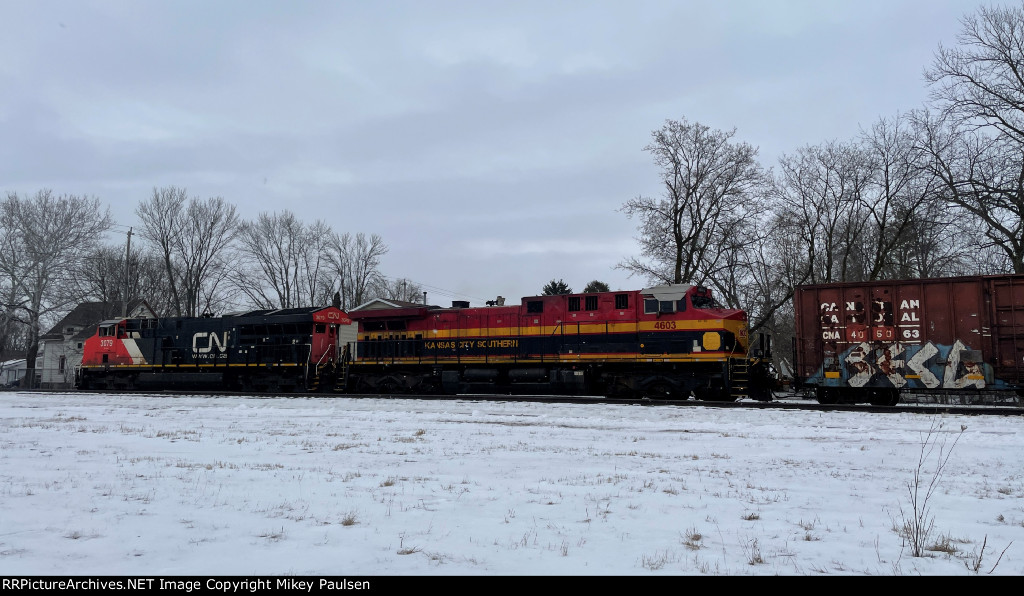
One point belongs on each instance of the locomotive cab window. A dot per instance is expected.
(535, 306)
(320, 328)
(650, 306)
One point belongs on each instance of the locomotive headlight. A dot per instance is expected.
(712, 341)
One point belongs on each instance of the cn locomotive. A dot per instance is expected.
(668, 341)
(266, 350)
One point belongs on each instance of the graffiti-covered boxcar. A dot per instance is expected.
(870, 341)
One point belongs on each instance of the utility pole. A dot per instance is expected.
(127, 271)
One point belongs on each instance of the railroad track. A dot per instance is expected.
(783, 403)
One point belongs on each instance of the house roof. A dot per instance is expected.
(382, 303)
(88, 314)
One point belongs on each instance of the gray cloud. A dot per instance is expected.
(490, 144)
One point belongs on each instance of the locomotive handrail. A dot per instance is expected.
(322, 356)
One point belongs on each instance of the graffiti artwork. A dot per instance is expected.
(910, 366)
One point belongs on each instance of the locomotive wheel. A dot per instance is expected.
(388, 385)
(884, 397)
(713, 394)
(827, 396)
(660, 390)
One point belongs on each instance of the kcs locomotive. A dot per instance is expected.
(667, 341)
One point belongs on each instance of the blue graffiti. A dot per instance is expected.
(906, 366)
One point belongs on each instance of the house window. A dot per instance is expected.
(621, 301)
(60, 364)
(591, 302)
(574, 303)
(78, 345)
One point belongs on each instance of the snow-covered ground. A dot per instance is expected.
(96, 484)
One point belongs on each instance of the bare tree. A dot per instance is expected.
(316, 278)
(355, 262)
(402, 289)
(270, 249)
(12, 329)
(980, 82)
(105, 277)
(210, 227)
(283, 262)
(895, 201)
(774, 268)
(192, 236)
(708, 182)
(162, 224)
(819, 190)
(982, 177)
(44, 240)
(978, 140)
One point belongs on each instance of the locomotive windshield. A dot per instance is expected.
(702, 299)
(705, 302)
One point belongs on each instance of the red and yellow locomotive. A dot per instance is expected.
(665, 341)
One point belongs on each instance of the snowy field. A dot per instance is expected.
(94, 484)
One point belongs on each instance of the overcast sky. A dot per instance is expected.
(490, 144)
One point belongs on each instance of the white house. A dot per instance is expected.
(60, 350)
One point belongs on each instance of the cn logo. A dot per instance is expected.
(211, 340)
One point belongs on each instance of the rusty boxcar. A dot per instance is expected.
(871, 341)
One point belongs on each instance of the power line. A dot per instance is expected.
(434, 289)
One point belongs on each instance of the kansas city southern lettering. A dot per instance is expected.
(472, 343)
